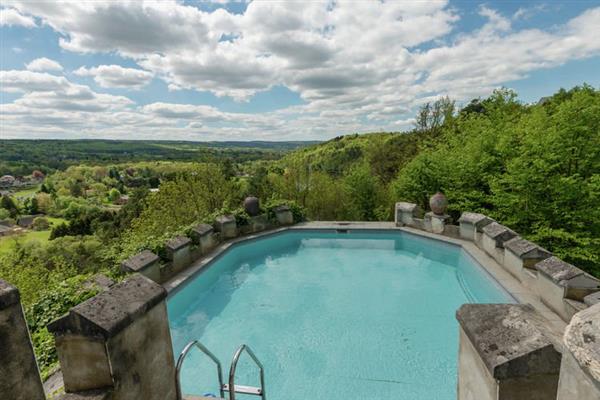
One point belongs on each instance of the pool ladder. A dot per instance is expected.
(224, 387)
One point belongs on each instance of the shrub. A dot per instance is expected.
(40, 224)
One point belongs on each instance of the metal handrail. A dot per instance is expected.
(234, 362)
(182, 357)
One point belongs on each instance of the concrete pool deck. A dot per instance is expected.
(512, 285)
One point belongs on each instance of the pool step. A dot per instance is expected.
(255, 391)
(223, 387)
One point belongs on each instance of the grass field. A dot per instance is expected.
(27, 192)
(7, 242)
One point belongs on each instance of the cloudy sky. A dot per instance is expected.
(275, 70)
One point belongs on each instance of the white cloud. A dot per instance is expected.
(43, 64)
(115, 76)
(359, 66)
(12, 17)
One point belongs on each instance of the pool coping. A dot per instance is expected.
(509, 283)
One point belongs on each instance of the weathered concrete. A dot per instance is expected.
(119, 339)
(259, 223)
(520, 257)
(146, 263)
(19, 374)
(87, 395)
(225, 224)
(515, 347)
(580, 369)
(436, 223)
(493, 239)
(179, 252)
(559, 280)
(405, 213)
(203, 236)
(284, 215)
(471, 225)
(592, 299)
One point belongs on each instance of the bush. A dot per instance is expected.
(40, 224)
(51, 305)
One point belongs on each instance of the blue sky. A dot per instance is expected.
(275, 70)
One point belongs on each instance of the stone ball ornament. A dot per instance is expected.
(438, 203)
(252, 206)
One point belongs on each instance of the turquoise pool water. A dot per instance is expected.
(332, 315)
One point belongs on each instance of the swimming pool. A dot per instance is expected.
(332, 315)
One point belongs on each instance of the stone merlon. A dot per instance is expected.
(177, 243)
(140, 261)
(565, 274)
(224, 219)
(202, 229)
(510, 339)
(107, 313)
(499, 233)
(9, 295)
(525, 249)
(582, 338)
(407, 207)
(479, 220)
(592, 299)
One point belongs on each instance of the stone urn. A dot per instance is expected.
(252, 206)
(438, 203)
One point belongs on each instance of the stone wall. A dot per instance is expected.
(559, 285)
(19, 375)
(118, 343)
(182, 251)
(508, 351)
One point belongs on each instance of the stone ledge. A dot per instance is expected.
(582, 339)
(177, 243)
(9, 295)
(202, 230)
(139, 262)
(499, 233)
(511, 339)
(565, 274)
(479, 220)
(407, 207)
(525, 249)
(107, 313)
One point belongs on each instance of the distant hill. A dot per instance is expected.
(20, 156)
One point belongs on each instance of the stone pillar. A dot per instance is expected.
(225, 224)
(471, 225)
(520, 257)
(505, 353)
(405, 214)
(203, 236)
(146, 263)
(179, 253)
(19, 374)
(558, 282)
(494, 236)
(580, 367)
(259, 223)
(436, 223)
(284, 215)
(119, 340)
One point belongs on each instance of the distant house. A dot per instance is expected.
(26, 221)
